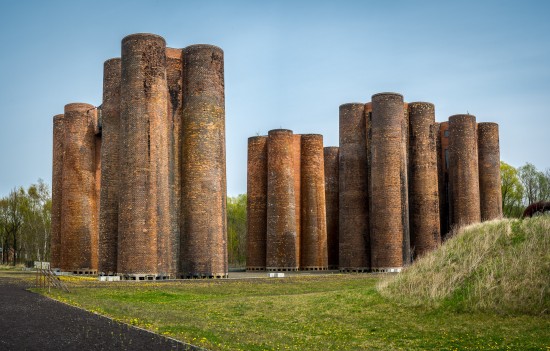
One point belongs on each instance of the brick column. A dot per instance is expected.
(313, 232)
(144, 149)
(282, 246)
(297, 173)
(463, 170)
(331, 199)
(79, 236)
(423, 182)
(386, 183)
(203, 210)
(489, 171)
(57, 191)
(354, 238)
(108, 211)
(256, 210)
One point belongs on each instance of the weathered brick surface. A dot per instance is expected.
(423, 182)
(79, 234)
(297, 169)
(169, 249)
(386, 183)
(489, 171)
(108, 212)
(368, 146)
(98, 142)
(256, 203)
(354, 246)
(404, 171)
(203, 210)
(331, 200)
(463, 170)
(443, 176)
(57, 191)
(135, 157)
(144, 186)
(282, 246)
(313, 233)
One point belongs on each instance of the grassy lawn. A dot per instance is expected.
(332, 312)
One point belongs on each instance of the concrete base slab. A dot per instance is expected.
(313, 268)
(354, 269)
(282, 269)
(109, 278)
(387, 270)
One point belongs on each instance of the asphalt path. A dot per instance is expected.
(30, 321)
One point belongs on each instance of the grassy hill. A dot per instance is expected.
(498, 266)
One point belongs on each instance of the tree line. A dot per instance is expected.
(522, 186)
(25, 224)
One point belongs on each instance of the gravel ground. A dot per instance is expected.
(29, 321)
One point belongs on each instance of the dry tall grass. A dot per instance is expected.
(501, 266)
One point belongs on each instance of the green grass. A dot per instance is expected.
(9, 267)
(499, 266)
(485, 289)
(338, 312)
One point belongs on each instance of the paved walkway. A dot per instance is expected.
(29, 321)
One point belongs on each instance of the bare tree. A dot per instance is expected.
(14, 219)
(531, 178)
(544, 185)
(37, 222)
(4, 234)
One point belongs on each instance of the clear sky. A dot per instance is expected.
(288, 64)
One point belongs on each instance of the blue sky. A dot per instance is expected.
(288, 64)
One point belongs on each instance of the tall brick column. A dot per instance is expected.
(174, 77)
(354, 252)
(297, 169)
(313, 233)
(98, 142)
(423, 182)
(144, 152)
(463, 170)
(282, 246)
(489, 171)
(203, 210)
(331, 200)
(386, 183)
(108, 211)
(57, 191)
(256, 209)
(443, 177)
(79, 235)
(404, 171)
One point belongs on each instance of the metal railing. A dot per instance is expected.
(46, 278)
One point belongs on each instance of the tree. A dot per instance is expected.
(544, 185)
(13, 218)
(535, 183)
(236, 230)
(512, 191)
(25, 224)
(36, 228)
(4, 234)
